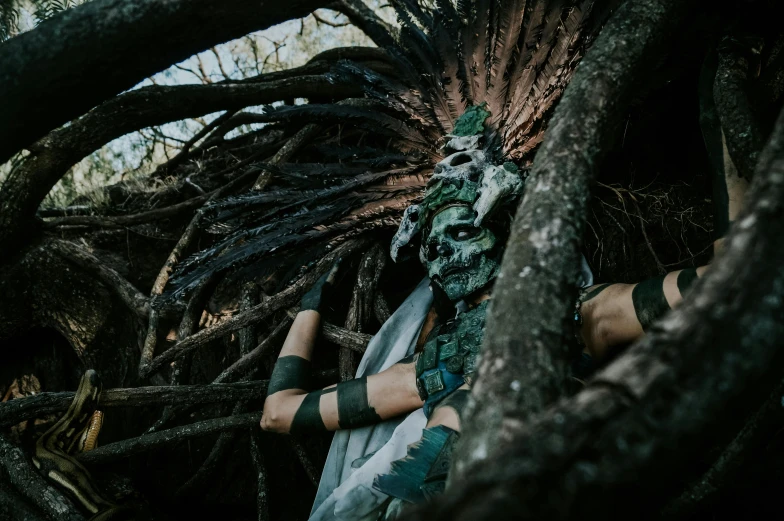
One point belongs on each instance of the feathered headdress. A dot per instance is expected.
(371, 157)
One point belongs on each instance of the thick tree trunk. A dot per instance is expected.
(104, 47)
(524, 359)
(625, 443)
(48, 290)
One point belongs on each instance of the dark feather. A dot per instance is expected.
(517, 55)
(476, 48)
(423, 54)
(552, 77)
(366, 118)
(307, 226)
(541, 50)
(388, 91)
(509, 25)
(446, 36)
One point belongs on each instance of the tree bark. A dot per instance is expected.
(525, 359)
(260, 469)
(137, 303)
(52, 156)
(759, 429)
(77, 53)
(366, 20)
(730, 91)
(360, 309)
(17, 471)
(622, 446)
(42, 404)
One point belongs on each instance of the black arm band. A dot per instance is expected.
(308, 416)
(290, 372)
(649, 301)
(354, 410)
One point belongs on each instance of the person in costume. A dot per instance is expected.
(461, 225)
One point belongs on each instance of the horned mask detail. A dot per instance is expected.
(465, 190)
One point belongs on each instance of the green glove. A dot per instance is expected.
(317, 295)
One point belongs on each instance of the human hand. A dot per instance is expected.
(321, 290)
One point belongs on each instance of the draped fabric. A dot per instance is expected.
(345, 491)
(356, 456)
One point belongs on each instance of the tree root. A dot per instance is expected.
(16, 471)
(285, 298)
(130, 447)
(542, 256)
(632, 428)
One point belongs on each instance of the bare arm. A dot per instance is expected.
(615, 314)
(291, 408)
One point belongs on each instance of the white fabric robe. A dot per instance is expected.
(346, 493)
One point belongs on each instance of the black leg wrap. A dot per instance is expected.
(354, 410)
(308, 417)
(685, 279)
(290, 372)
(649, 301)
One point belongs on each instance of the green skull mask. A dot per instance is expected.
(460, 257)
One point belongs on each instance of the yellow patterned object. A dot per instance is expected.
(90, 436)
(75, 432)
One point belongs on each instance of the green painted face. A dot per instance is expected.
(460, 257)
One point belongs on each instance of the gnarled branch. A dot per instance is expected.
(17, 471)
(130, 296)
(639, 423)
(529, 327)
(51, 157)
(78, 51)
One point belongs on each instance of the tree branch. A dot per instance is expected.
(120, 221)
(730, 92)
(15, 506)
(285, 298)
(42, 404)
(292, 146)
(247, 337)
(366, 21)
(78, 51)
(128, 294)
(344, 338)
(759, 428)
(260, 467)
(360, 309)
(52, 156)
(156, 440)
(640, 423)
(16, 471)
(525, 359)
(242, 391)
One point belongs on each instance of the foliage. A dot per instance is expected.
(15, 15)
